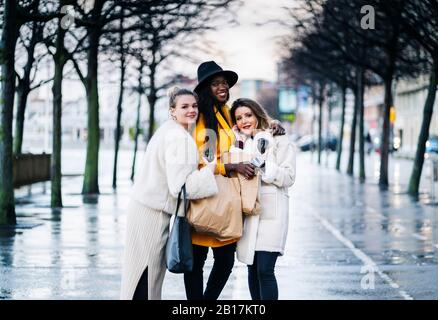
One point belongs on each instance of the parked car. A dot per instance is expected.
(308, 143)
(330, 143)
(393, 146)
(432, 145)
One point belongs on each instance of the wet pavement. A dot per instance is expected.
(346, 240)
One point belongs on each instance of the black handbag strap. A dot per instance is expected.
(183, 192)
(178, 203)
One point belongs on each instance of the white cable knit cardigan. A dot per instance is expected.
(171, 159)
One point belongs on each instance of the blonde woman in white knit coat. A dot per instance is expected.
(264, 236)
(171, 160)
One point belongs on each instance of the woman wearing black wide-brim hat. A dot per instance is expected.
(214, 136)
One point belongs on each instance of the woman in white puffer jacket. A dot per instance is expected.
(264, 236)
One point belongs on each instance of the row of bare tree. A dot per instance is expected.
(353, 44)
(79, 34)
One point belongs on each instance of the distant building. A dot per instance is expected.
(38, 119)
(373, 107)
(264, 92)
(409, 102)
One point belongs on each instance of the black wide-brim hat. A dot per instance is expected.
(209, 69)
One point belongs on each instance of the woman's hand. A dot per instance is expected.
(277, 129)
(245, 169)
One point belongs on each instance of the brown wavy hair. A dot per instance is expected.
(260, 113)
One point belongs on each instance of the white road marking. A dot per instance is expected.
(360, 254)
(375, 213)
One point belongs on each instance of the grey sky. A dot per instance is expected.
(252, 50)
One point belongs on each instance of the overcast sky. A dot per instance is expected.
(251, 50)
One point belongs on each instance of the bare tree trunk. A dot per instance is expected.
(360, 89)
(91, 174)
(119, 108)
(384, 147)
(350, 167)
(118, 126)
(327, 132)
(341, 129)
(312, 146)
(389, 76)
(321, 102)
(414, 181)
(137, 131)
(152, 97)
(22, 95)
(23, 90)
(137, 123)
(7, 91)
(60, 60)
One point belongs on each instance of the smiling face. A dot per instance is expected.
(220, 88)
(246, 120)
(185, 111)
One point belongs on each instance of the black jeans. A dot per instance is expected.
(261, 276)
(222, 267)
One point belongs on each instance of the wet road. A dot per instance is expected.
(346, 241)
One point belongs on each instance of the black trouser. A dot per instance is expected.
(141, 291)
(261, 276)
(222, 267)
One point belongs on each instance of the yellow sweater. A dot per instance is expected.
(224, 143)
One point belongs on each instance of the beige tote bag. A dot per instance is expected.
(249, 188)
(219, 216)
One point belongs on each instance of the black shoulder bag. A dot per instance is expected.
(179, 249)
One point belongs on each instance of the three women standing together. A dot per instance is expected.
(187, 150)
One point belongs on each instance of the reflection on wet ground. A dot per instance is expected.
(346, 240)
